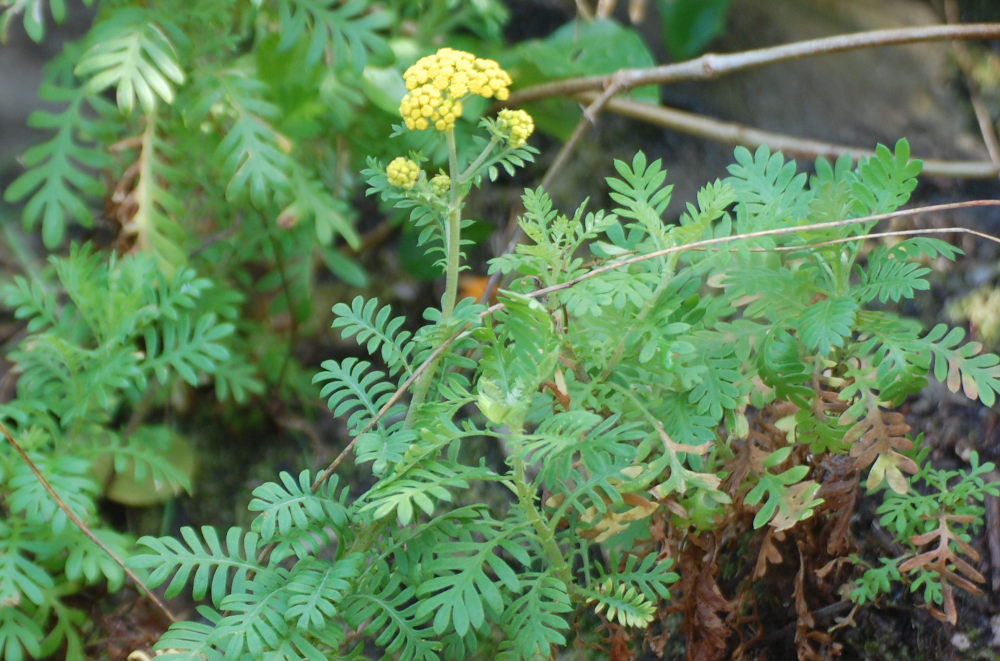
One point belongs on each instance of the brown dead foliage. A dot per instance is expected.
(953, 569)
(744, 591)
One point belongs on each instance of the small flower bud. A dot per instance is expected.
(402, 172)
(517, 124)
(441, 184)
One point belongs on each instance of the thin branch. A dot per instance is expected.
(431, 359)
(791, 229)
(61, 504)
(739, 134)
(713, 65)
(878, 235)
(965, 64)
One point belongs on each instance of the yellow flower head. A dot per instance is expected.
(517, 124)
(437, 84)
(441, 184)
(402, 172)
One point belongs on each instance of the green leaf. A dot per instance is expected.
(61, 173)
(536, 620)
(885, 180)
(347, 31)
(827, 323)
(623, 604)
(317, 588)
(210, 561)
(689, 25)
(293, 504)
(132, 53)
(889, 279)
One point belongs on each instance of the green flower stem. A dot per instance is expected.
(526, 499)
(452, 231)
(453, 250)
(474, 166)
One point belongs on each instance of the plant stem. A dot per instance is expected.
(526, 499)
(462, 178)
(453, 253)
(452, 230)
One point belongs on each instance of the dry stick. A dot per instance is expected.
(712, 65)
(740, 134)
(385, 407)
(965, 64)
(697, 245)
(879, 235)
(772, 232)
(61, 504)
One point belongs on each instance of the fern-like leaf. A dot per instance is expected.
(962, 366)
(650, 576)
(885, 180)
(353, 388)
(132, 52)
(186, 349)
(317, 587)
(827, 323)
(32, 300)
(190, 640)
(254, 620)
(19, 634)
(641, 194)
(461, 593)
(890, 279)
(209, 560)
(61, 173)
(769, 190)
(391, 612)
(293, 504)
(536, 620)
(72, 479)
(33, 19)
(420, 487)
(375, 329)
(623, 604)
(347, 32)
(21, 579)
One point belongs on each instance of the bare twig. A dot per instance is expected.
(713, 65)
(791, 229)
(431, 359)
(61, 504)
(982, 114)
(739, 134)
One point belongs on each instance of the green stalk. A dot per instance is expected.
(526, 499)
(452, 231)
(453, 252)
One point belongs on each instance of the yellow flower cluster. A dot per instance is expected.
(437, 84)
(441, 184)
(402, 172)
(517, 124)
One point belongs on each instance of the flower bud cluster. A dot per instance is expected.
(440, 184)
(402, 172)
(517, 124)
(437, 84)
